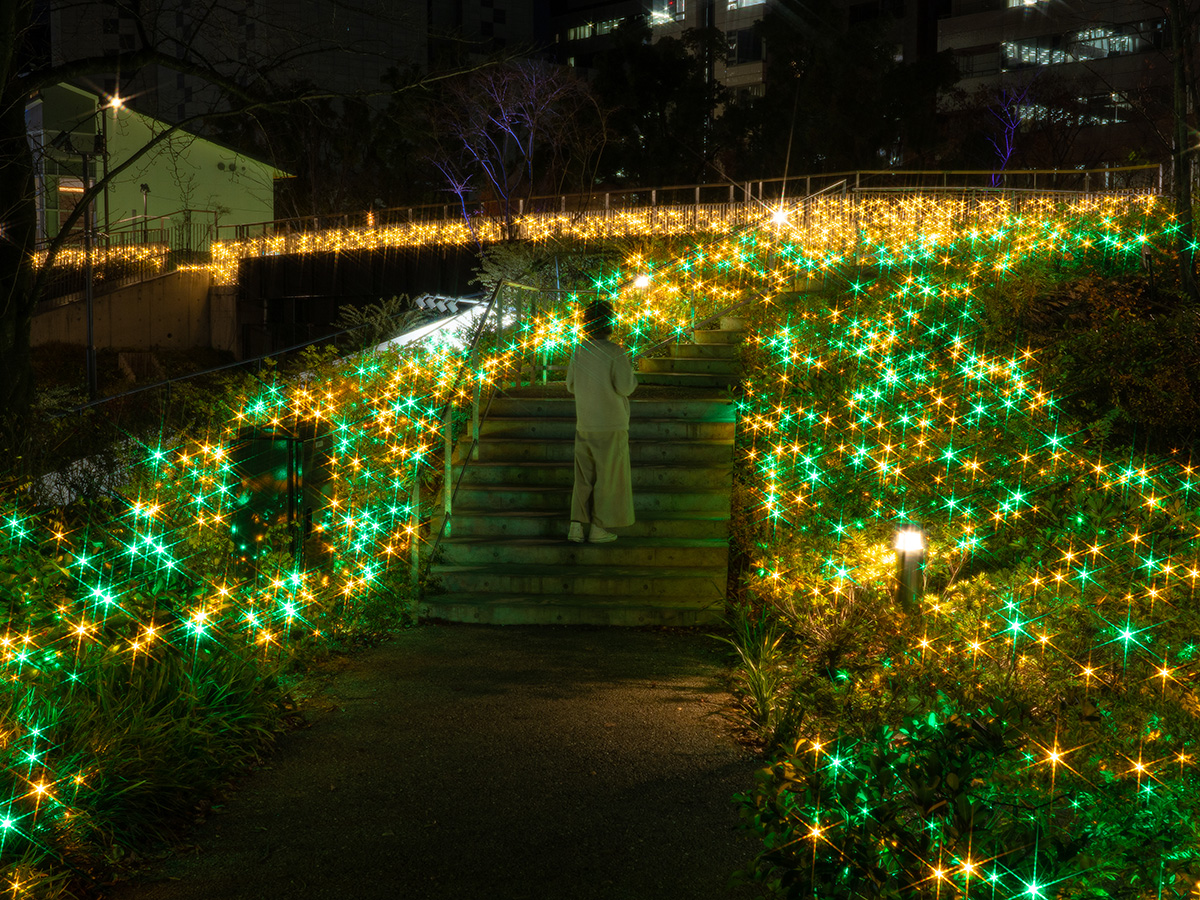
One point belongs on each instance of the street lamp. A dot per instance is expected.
(910, 553)
(115, 103)
(145, 222)
(63, 142)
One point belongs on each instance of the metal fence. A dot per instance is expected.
(723, 195)
(127, 253)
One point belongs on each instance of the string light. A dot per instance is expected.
(879, 403)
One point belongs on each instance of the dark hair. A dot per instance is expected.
(598, 320)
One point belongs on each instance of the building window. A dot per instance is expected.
(745, 46)
(744, 4)
(1092, 43)
(1098, 109)
(748, 93)
(979, 63)
(667, 11)
(591, 29)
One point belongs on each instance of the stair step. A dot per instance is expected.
(709, 351)
(689, 453)
(518, 475)
(690, 365)
(563, 428)
(553, 524)
(680, 379)
(506, 559)
(540, 498)
(526, 609)
(557, 552)
(693, 410)
(691, 584)
(717, 336)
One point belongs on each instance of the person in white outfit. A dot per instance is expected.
(601, 378)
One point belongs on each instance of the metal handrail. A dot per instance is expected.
(450, 490)
(343, 220)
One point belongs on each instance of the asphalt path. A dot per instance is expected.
(490, 762)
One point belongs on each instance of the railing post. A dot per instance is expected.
(857, 175)
(697, 195)
(807, 185)
(448, 483)
(731, 192)
(520, 206)
(414, 539)
(475, 419)
(563, 208)
(606, 201)
(654, 197)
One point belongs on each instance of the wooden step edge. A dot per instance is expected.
(583, 570)
(624, 540)
(604, 612)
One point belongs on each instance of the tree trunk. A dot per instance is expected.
(18, 221)
(1181, 161)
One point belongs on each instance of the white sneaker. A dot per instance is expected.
(598, 535)
(576, 532)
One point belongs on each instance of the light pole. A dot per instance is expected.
(99, 148)
(115, 103)
(910, 552)
(88, 289)
(145, 221)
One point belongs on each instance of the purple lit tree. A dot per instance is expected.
(505, 132)
(1008, 107)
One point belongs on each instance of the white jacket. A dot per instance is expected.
(601, 378)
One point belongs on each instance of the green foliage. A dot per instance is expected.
(140, 643)
(890, 803)
(378, 322)
(1030, 728)
(1123, 352)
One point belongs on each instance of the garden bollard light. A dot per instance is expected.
(910, 551)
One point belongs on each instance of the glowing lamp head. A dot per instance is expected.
(116, 101)
(642, 281)
(780, 216)
(910, 539)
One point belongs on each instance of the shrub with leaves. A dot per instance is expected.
(1059, 577)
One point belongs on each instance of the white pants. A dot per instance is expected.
(603, 492)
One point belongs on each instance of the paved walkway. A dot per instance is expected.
(472, 762)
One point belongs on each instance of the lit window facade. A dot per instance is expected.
(1088, 44)
(593, 29)
(1075, 65)
(666, 11)
(745, 46)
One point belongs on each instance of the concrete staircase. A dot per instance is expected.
(709, 361)
(506, 559)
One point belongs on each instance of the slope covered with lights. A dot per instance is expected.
(1059, 577)
(1029, 728)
